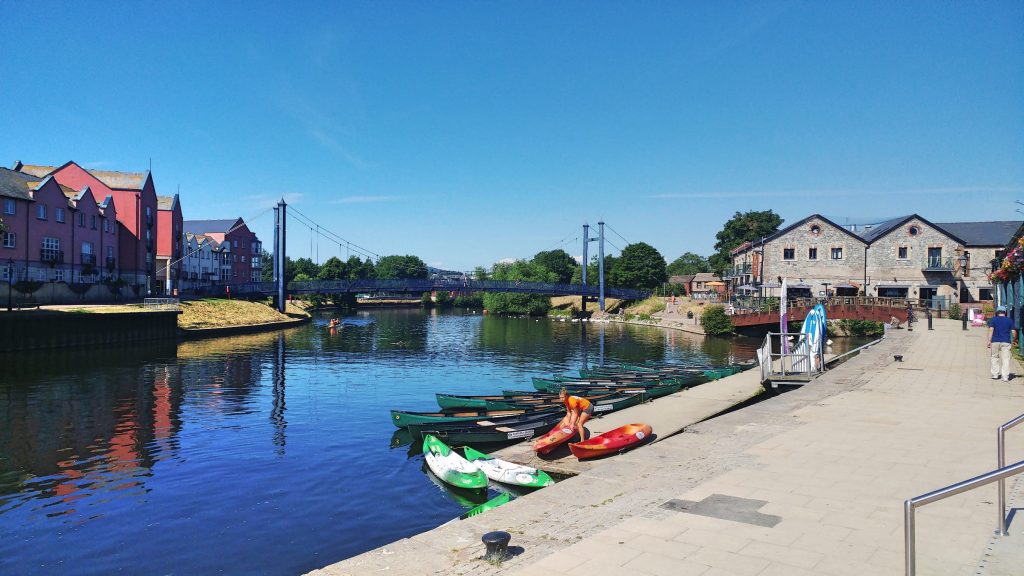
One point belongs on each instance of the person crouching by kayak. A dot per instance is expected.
(577, 411)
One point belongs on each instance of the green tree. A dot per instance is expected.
(359, 269)
(333, 269)
(306, 267)
(302, 277)
(715, 321)
(559, 262)
(479, 273)
(400, 267)
(688, 263)
(267, 273)
(514, 303)
(593, 271)
(639, 266)
(742, 227)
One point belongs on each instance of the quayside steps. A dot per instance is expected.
(999, 475)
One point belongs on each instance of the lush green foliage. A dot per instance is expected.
(443, 299)
(301, 277)
(955, 313)
(592, 271)
(688, 263)
(639, 266)
(401, 267)
(742, 227)
(559, 262)
(715, 321)
(479, 273)
(426, 300)
(855, 328)
(469, 301)
(267, 273)
(514, 303)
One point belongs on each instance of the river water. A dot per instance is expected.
(268, 453)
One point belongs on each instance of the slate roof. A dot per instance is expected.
(706, 277)
(983, 233)
(206, 226)
(881, 229)
(799, 223)
(16, 185)
(684, 279)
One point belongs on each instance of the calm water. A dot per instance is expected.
(266, 454)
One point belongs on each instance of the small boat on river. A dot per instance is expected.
(508, 472)
(451, 467)
(497, 433)
(402, 418)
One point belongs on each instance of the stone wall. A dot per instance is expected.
(61, 293)
(32, 329)
(886, 268)
(819, 234)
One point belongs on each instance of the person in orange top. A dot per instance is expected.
(577, 411)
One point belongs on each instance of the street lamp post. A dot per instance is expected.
(963, 261)
(10, 282)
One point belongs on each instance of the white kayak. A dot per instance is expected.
(450, 466)
(507, 472)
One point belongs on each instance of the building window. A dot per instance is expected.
(9, 240)
(81, 220)
(236, 243)
(243, 259)
(901, 252)
(789, 253)
(914, 230)
(58, 274)
(812, 253)
(9, 206)
(51, 249)
(984, 293)
(106, 225)
(58, 215)
(93, 222)
(110, 251)
(41, 211)
(837, 253)
(815, 229)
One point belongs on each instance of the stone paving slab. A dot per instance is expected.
(833, 461)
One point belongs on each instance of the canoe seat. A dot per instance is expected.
(485, 423)
(505, 429)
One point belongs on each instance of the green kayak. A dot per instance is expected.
(450, 467)
(498, 500)
(508, 472)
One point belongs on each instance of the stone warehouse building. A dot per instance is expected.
(904, 257)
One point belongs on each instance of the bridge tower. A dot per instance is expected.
(600, 265)
(280, 229)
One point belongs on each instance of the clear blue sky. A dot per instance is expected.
(468, 132)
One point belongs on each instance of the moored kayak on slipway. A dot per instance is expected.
(450, 467)
(508, 472)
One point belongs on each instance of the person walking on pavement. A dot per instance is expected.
(1001, 335)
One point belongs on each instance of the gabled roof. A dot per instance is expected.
(705, 277)
(166, 202)
(882, 228)
(33, 169)
(14, 184)
(121, 180)
(107, 202)
(208, 226)
(683, 279)
(800, 223)
(974, 234)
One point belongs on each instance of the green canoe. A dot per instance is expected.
(498, 500)
(450, 467)
(402, 418)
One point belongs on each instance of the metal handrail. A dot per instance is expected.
(1001, 461)
(909, 506)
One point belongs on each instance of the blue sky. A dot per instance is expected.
(469, 132)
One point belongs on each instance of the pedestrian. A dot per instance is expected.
(1001, 335)
(577, 411)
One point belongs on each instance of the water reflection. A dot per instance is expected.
(119, 458)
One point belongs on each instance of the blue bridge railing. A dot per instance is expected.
(420, 286)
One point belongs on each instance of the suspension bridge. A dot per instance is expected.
(280, 289)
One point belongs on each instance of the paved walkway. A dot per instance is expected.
(809, 482)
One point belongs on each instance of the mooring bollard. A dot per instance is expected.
(497, 545)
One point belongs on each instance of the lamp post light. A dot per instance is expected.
(963, 260)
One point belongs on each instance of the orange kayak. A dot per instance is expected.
(612, 441)
(553, 439)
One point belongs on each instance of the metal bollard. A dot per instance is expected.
(964, 319)
(497, 545)
(929, 318)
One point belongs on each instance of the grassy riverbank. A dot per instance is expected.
(222, 313)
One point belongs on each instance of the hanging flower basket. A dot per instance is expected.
(1011, 267)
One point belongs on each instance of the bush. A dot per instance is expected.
(858, 328)
(955, 313)
(988, 310)
(443, 299)
(469, 301)
(715, 321)
(426, 301)
(517, 304)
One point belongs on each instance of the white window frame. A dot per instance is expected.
(10, 206)
(832, 253)
(58, 215)
(10, 240)
(40, 211)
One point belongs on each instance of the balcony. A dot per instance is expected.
(937, 264)
(51, 256)
(88, 259)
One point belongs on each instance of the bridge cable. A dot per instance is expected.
(232, 229)
(609, 226)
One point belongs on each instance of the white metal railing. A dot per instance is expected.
(794, 357)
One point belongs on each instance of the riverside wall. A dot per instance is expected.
(41, 329)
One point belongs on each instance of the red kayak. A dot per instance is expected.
(612, 441)
(553, 439)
